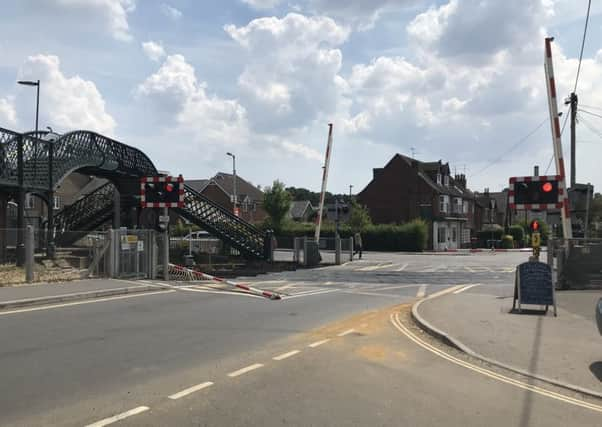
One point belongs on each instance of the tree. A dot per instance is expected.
(359, 219)
(276, 202)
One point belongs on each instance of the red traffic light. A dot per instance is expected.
(534, 225)
(547, 187)
(169, 187)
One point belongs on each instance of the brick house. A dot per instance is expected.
(406, 189)
(220, 189)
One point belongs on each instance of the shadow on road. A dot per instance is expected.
(528, 403)
(596, 369)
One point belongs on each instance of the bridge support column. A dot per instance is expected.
(116, 209)
(50, 245)
(3, 225)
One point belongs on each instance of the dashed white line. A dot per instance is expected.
(190, 390)
(347, 332)
(421, 291)
(119, 417)
(403, 267)
(469, 269)
(465, 288)
(318, 343)
(286, 355)
(245, 370)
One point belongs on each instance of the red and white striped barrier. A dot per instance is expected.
(189, 274)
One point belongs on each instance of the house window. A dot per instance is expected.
(446, 178)
(29, 201)
(457, 206)
(441, 235)
(438, 179)
(245, 206)
(56, 203)
(454, 234)
(465, 207)
(444, 204)
(254, 206)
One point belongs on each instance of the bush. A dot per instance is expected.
(518, 234)
(411, 236)
(507, 242)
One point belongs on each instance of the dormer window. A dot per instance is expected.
(446, 180)
(438, 179)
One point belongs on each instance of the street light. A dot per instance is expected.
(37, 84)
(234, 179)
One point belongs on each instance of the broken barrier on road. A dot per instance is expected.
(179, 272)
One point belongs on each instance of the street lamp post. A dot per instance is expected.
(21, 196)
(37, 85)
(234, 180)
(350, 191)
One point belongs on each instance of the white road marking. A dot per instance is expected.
(445, 291)
(208, 291)
(282, 288)
(327, 291)
(347, 332)
(376, 267)
(286, 355)
(403, 267)
(469, 269)
(413, 285)
(245, 370)
(394, 318)
(372, 294)
(318, 343)
(421, 291)
(190, 390)
(465, 288)
(91, 301)
(119, 417)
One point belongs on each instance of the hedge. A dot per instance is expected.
(518, 234)
(507, 242)
(411, 236)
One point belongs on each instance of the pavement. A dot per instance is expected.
(333, 351)
(54, 292)
(565, 350)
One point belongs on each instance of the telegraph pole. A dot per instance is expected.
(573, 102)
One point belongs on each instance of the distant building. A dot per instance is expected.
(301, 210)
(220, 189)
(406, 189)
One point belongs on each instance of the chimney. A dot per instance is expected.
(376, 172)
(461, 180)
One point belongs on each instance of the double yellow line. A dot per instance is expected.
(394, 317)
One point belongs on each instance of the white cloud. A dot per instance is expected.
(8, 114)
(291, 75)
(170, 11)
(302, 150)
(262, 4)
(176, 94)
(66, 103)
(112, 12)
(362, 14)
(153, 50)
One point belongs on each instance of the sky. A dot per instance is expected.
(188, 80)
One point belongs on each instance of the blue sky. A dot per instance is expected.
(187, 81)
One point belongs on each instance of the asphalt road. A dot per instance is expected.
(213, 352)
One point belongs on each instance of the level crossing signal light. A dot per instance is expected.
(536, 192)
(534, 226)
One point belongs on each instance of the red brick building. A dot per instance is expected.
(220, 189)
(406, 189)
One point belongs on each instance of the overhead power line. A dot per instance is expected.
(590, 126)
(589, 112)
(590, 106)
(512, 148)
(589, 4)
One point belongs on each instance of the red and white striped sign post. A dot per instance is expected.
(556, 140)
